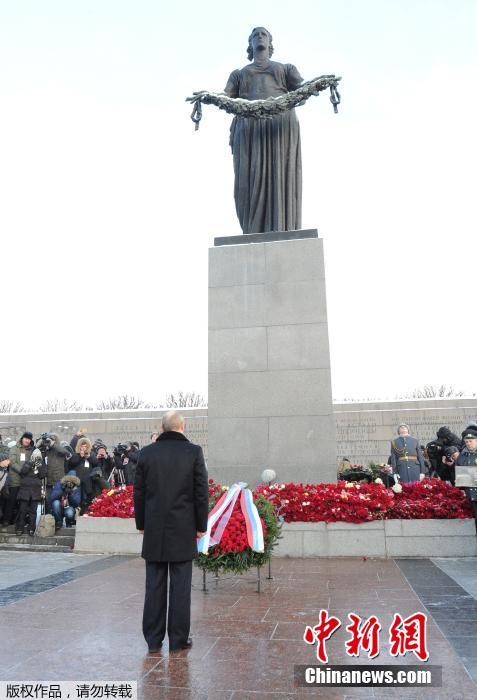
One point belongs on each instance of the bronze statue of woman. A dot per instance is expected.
(266, 151)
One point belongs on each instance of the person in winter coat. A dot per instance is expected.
(171, 508)
(4, 466)
(446, 470)
(65, 498)
(83, 463)
(125, 460)
(54, 455)
(29, 493)
(468, 456)
(19, 454)
(104, 461)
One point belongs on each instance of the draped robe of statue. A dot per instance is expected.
(266, 152)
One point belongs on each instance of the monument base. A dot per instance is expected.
(269, 366)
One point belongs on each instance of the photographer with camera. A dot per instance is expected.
(125, 461)
(446, 470)
(54, 456)
(29, 493)
(83, 463)
(19, 454)
(65, 498)
(104, 460)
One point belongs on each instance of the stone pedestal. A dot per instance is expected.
(269, 364)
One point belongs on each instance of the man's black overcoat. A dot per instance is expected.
(171, 497)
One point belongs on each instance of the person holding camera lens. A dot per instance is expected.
(446, 470)
(54, 456)
(65, 498)
(32, 473)
(104, 460)
(83, 463)
(19, 455)
(125, 460)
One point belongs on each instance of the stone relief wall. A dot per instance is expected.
(363, 431)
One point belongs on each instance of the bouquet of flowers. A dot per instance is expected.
(354, 472)
(115, 503)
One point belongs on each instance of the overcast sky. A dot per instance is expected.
(109, 199)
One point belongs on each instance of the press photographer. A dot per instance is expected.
(83, 463)
(104, 460)
(125, 461)
(19, 454)
(54, 455)
(446, 470)
(65, 498)
(32, 473)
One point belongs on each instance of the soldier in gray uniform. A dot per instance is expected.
(406, 456)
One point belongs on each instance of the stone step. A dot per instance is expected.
(34, 547)
(27, 539)
(64, 539)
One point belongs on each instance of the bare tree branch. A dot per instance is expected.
(124, 401)
(188, 399)
(60, 405)
(11, 406)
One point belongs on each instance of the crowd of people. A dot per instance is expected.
(61, 477)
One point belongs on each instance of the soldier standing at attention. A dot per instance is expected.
(406, 456)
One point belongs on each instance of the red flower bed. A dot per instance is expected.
(346, 502)
(116, 503)
(351, 503)
(358, 503)
(430, 498)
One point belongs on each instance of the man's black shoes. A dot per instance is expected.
(186, 645)
(155, 649)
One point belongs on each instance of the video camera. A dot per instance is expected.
(45, 442)
(121, 449)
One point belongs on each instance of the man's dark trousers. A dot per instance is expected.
(155, 603)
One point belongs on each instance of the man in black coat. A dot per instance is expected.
(171, 507)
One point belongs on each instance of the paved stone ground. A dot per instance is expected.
(76, 617)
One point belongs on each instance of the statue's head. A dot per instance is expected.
(260, 38)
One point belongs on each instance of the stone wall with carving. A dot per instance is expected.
(363, 430)
(111, 426)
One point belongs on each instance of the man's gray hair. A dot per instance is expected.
(172, 420)
(403, 425)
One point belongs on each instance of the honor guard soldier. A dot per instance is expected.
(406, 456)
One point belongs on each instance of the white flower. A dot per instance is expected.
(378, 481)
(349, 485)
(397, 488)
(305, 503)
